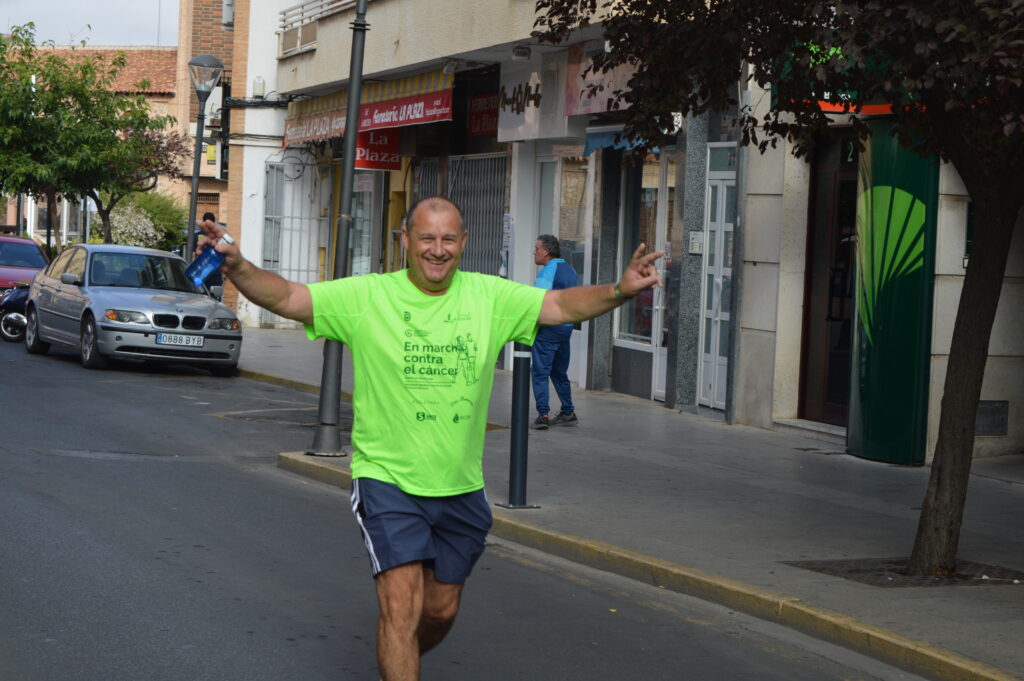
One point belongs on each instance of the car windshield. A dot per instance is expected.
(21, 255)
(139, 270)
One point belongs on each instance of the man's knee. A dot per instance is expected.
(440, 613)
(440, 600)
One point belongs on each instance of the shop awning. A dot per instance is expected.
(414, 100)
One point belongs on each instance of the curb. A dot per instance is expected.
(918, 657)
(287, 383)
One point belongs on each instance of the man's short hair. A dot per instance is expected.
(550, 244)
(209, 216)
(436, 204)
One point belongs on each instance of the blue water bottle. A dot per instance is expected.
(208, 261)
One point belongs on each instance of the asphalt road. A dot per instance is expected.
(147, 535)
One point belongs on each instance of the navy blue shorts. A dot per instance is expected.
(446, 533)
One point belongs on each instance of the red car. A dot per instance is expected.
(20, 259)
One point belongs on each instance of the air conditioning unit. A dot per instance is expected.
(227, 12)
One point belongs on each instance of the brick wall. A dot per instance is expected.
(233, 201)
(155, 64)
(210, 36)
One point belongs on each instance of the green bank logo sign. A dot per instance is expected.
(890, 245)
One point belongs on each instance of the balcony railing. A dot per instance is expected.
(298, 23)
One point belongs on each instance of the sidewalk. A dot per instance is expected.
(718, 511)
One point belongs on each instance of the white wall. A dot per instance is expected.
(1004, 372)
(262, 61)
(773, 192)
(396, 37)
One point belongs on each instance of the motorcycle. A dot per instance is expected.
(12, 312)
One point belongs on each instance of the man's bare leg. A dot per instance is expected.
(400, 596)
(416, 611)
(440, 606)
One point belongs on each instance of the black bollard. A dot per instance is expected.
(520, 428)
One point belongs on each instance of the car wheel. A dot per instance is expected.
(32, 341)
(9, 330)
(91, 357)
(225, 371)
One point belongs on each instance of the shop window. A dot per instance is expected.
(639, 225)
(572, 208)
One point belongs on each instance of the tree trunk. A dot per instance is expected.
(108, 234)
(938, 531)
(105, 209)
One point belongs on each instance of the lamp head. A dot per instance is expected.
(205, 70)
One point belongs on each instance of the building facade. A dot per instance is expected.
(758, 321)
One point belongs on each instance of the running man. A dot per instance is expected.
(418, 434)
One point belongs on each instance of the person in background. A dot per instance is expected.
(551, 348)
(215, 278)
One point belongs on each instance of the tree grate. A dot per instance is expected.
(891, 573)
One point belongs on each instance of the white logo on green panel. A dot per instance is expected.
(889, 246)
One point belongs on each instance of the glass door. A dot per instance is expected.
(364, 238)
(717, 291)
(563, 185)
(648, 210)
(571, 229)
(666, 215)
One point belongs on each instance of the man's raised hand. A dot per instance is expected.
(641, 274)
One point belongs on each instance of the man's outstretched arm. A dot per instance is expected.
(268, 290)
(580, 303)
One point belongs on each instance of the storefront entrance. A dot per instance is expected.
(640, 352)
(828, 306)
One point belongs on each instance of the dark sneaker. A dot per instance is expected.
(563, 419)
(541, 423)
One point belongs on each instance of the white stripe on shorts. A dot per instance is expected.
(374, 563)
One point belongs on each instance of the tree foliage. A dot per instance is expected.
(169, 217)
(952, 72)
(131, 226)
(66, 132)
(938, 64)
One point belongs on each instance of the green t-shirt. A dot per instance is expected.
(423, 367)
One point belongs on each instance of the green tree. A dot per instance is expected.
(953, 73)
(67, 133)
(134, 165)
(168, 216)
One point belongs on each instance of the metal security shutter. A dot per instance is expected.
(477, 185)
(427, 176)
(295, 227)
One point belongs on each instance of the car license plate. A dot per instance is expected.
(179, 339)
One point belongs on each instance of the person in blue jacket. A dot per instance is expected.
(551, 349)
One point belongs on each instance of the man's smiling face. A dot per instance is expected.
(434, 240)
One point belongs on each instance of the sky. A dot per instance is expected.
(112, 22)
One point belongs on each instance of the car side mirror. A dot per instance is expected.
(72, 279)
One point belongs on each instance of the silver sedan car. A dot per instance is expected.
(129, 303)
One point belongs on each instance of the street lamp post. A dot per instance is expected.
(205, 70)
(327, 439)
